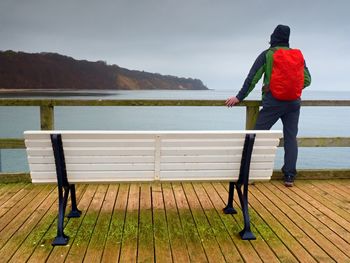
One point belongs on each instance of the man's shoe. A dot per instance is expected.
(288, 181)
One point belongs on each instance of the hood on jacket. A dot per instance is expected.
(280, 36)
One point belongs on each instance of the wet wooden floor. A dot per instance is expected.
(178, 223)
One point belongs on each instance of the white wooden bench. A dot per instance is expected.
(69, 157)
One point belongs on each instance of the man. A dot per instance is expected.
(287, 110)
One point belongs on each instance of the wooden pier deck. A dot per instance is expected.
(178, 223)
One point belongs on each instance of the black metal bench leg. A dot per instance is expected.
(61, 239)
(246, 233)
(229, 207)
(75, 212)
(243, 179)
(63, 185)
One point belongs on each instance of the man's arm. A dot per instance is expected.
(307, 77)
(253, 77)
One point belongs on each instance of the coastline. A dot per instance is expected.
(54, 92)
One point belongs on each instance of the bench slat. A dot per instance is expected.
(216, 143)
(88, 136)
(149, 159)
(93, 159)
(216, 158)
(146, 176)
(95, 176)
(212, 166)
(193, 151)
(95, 167)
(92, 143)
(148, 167)
(149, 143)
(148, 151)
(150, 134)
(165, 151)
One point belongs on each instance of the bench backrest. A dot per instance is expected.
(129, 156)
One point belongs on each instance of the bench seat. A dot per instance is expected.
(148, 156)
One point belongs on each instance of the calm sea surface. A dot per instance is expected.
(314, 121)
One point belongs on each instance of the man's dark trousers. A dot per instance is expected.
(289, 113)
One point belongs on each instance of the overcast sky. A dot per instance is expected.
(215, 41)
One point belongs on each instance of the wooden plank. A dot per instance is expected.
(342, 183)
(176, 234)
(14, 177)
(94, 167)
(202, 143)
(82, 239)
(94, 151)
(92, 159)
(145, 251)
(205, 143)
(224, 240)
(98, 238)
(45, 143)
(47, 117)
(248, 250)
(25, 226)
(192, 238)
(11, 143)
(213, 166)
(94, 177)
(339, 188)
(323, 206)
(330, 195)
(11, 224)
(128, 251)
(89, 135)
(17, 203)
(37, 236)
(280, 230)
(112, 248)
(315, 243)
(252, 113)
(206, 234)
(313, 220)
(214, 151)
(148, 102)
(33, 240)
(160, 227)
(322, 214)
(7, 191)
(322, 142)
(216, 158)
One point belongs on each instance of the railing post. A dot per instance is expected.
(252, 113)
(46, 117)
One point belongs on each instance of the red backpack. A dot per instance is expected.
(287, 76)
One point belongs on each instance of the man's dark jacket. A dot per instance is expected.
(263, 65)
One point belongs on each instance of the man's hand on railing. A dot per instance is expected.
(231, 101)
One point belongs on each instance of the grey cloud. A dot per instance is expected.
(216, 41)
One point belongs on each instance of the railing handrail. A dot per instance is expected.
(150, 102)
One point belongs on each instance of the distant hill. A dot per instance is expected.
(19, 70)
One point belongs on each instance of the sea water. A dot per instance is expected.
(314, 121)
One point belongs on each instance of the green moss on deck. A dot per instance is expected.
(6, 178)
